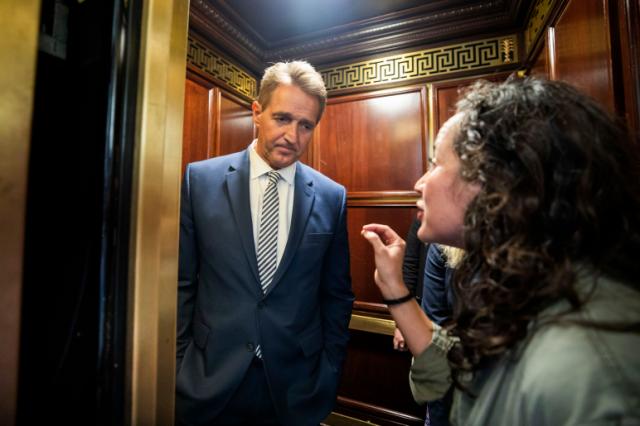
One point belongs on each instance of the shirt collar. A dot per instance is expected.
(260, 167)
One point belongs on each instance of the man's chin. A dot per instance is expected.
(282, 161)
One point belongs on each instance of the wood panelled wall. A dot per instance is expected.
(583, 49)
(376, 143)
(577, 49)
(594, 45)
(216, 122)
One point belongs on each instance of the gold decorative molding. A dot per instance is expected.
(432, 123)
(151, 316)
(472, 55)
(537, 21)
(371, 324)
(381, 198)
(507, 49)
(215, 65)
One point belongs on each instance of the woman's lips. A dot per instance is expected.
(420, 206)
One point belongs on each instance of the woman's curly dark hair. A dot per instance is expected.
(560, 187)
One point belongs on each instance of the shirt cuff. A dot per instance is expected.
(441, 339)
(430, 375)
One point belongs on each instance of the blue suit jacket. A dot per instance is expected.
(437, 292)
(301, 322)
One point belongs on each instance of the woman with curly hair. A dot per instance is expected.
(541, 188)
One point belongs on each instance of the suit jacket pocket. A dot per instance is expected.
(200, 334)
(318, 237)
(311, 341)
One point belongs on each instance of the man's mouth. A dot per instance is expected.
(286, 148)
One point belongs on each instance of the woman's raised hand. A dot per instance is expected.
(388, 249)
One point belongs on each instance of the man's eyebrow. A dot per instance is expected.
(306, 122)
(283, 114)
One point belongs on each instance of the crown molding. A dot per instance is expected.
(397, 19)
(331, 53)
(423, 25)
(366, 31)
(212, 26)
(476, 55)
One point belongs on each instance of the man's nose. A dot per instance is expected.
(291, 133)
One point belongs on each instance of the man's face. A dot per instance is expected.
(285, 126)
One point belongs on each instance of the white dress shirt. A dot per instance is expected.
(258, 182)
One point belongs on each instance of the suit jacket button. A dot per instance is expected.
(250, 347)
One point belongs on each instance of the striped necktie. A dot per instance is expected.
(268, 236)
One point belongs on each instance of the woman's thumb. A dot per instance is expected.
(373, 238)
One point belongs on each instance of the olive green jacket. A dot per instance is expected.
(562, 374)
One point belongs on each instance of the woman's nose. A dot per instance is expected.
(419, 186)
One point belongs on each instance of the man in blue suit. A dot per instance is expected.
(264, 293)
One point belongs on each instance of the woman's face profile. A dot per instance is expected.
(445, 195)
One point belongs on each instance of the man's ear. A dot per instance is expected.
(256, 110)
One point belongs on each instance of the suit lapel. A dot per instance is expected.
(303, 199)
(237, 179)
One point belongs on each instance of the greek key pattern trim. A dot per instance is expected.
(537, 21)
(221, 68)
(473, 55)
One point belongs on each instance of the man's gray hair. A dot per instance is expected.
(298, 73)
